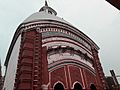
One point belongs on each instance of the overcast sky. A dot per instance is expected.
(96, 18)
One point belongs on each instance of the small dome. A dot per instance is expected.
(42, 15)
(45, 13)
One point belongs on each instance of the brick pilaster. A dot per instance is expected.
(99, 71)
(28, 68)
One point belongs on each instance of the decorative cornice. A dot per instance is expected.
(63, 62)
(53, 39)
(39, 23)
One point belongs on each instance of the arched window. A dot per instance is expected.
(77, 86)
(92, 87)
(58, 86)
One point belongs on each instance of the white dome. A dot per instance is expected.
(44, 16)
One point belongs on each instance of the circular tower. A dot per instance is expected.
(50, 53)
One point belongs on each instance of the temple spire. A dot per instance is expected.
(46, 4)
(48, 9)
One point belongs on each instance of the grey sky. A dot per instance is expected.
(96, 18)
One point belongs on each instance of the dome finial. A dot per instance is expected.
(48, 9)
(46, 4)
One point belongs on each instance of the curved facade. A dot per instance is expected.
(50, 53)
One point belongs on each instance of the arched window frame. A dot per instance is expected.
(76, 83)
(57, 83)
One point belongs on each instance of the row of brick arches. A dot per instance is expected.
(77, 86)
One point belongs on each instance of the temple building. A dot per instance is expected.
(49, 53)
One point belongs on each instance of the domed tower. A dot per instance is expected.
(48, 53)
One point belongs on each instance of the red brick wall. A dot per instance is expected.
(58, 75)
(99, 71)
(90, 78)
(71, 74)
(75, 75)
(32, 63)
